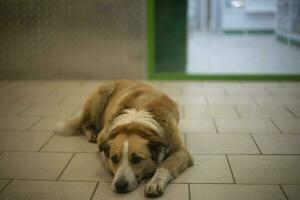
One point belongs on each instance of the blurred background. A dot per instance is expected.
(244, 36)
(72, 38)
(53, 39)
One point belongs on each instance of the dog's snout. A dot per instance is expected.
(121, 186)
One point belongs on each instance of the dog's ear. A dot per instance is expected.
(157, 147)
(105, 147)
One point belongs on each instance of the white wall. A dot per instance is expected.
(255, 15)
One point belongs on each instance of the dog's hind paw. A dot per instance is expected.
(155, 188)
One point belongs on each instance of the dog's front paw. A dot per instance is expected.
(155, 188)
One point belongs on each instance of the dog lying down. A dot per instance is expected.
(136, 129)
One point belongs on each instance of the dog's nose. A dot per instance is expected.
(121, 186)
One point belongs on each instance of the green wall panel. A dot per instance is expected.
(170, 35)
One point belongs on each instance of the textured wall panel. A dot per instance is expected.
(72, 38)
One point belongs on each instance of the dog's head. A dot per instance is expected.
(131, 158)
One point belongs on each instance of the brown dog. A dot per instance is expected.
(136, 128)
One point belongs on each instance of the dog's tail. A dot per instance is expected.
(68, 127)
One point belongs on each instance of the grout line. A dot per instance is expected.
(291, 112)
(276, 125)
(260, 152)
(5, 186)
(206, 100)
(226, 92)
(189, 191)
(269, 92)
(237, 111)
(63, 99)
(234, 181)
(281, 84)
(284, 193)
(53, 90)
(1, 152)
(65, 166)
(181, 108)
(93, 193)
(25, 109)
(215, 125)
(185, 139)
(78, 108)
(37, 121)
(253, 99)
(46, 142)
(18, 98)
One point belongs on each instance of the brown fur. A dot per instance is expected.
(109, 101)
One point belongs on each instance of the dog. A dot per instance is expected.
(136, 129)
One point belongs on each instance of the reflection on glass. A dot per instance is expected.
(260, 37)
(237, 3)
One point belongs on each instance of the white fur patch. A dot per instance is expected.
(162, 174)
(125, 171)
(134, 116)
(159, 181)
(64, 128)
(161, 155)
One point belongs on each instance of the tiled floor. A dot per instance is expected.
(244, 136)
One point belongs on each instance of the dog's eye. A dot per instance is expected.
(136, 160)
(115, 159)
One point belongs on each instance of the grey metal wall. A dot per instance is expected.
(72, 39)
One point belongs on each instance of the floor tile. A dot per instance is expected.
(221, 84)
(23, 142)
(12, 109)
(231, 191)
(278, 144)
(295, 110)
(246, 126)
(86, 166)
(24, 132)
(247, 92)
(48, 190)
(33, 165)
(277, 100)
(47, 124)
(204, 91)
(261, 84)
(197, 125)
(3, 183)
(230, 100)
(191, 110)
(9, 98)
(292, 191)
(265, 169)
(75, 100)
(41, 99)
(70, 144)
(83, 90)
(248, 111)
(17, 123)
(220, 144)
(284, 91)
(186, 100)
(50, 110)
(38, 88)
(207, 169)
(288, 125)
(173, 192)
